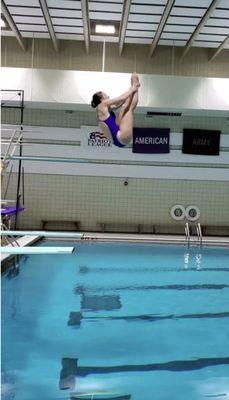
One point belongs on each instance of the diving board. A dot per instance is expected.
(36, 250)
(42, 233)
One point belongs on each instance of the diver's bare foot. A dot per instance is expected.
(135, 79)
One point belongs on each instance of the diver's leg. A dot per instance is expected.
(126, 121)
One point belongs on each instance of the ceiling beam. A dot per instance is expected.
(203, 21)
(219, 49)
(12, 25)
(124, 22)
(161, 25)
(86, 23)
(45, 11)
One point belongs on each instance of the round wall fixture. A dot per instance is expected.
(177, 212)
(192, 213)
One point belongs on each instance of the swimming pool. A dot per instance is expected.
(117, 321)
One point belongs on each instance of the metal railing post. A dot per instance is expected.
(187, 233)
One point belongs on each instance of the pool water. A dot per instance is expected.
(117, 321)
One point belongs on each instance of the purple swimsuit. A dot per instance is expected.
(113, 128)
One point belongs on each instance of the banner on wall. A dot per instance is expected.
(200, 141)
(92, 138)
(151, 140)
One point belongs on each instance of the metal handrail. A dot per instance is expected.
(199, 233)
(12, 143)
(187, 233)
(6, 233)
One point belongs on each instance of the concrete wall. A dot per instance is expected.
(72, 56)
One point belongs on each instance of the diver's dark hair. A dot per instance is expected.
(96, 99)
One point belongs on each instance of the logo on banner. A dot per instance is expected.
(98, 139)
(200, 141)
(151, 140)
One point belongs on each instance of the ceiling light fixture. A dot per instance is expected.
(110, 29)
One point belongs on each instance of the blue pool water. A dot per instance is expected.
(117, 321)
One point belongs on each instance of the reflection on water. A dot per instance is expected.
(188, 259)
(198, 259)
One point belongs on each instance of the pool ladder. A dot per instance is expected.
(198, 231)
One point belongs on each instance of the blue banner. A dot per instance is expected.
(151, 140)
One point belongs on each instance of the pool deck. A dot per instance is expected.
(29, 240)
(156, 238)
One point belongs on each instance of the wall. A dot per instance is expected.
(94, 194)
(72, 56)
(70, 147)
(60, 89)
(94, 200)
(97, 200)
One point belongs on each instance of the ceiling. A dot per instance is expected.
(185, 23)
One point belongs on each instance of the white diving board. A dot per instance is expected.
(36, 250)
(42, 233)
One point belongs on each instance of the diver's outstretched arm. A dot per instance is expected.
(115, 107)
(120, 99)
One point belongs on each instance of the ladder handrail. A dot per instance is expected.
(187, 233)
(199, 233)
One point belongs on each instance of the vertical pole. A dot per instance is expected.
(135, 62)
(104, 54)
(23, 185)
(173, 58)
(21, 94)
(32, 66)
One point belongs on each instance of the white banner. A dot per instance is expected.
(93, 138)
